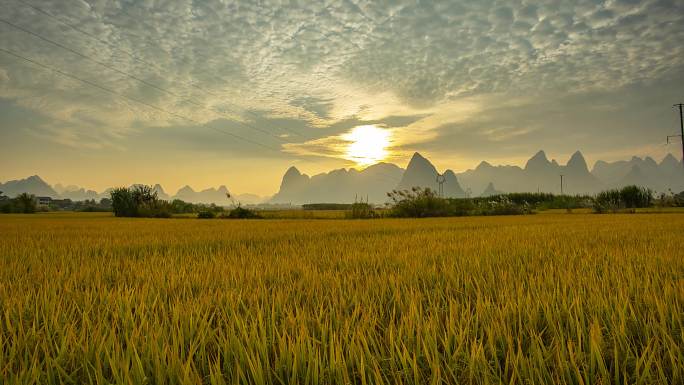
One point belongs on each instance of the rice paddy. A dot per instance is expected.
(540, 299)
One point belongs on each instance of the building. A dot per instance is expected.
(43, 201)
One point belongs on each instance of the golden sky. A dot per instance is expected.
(208, 93)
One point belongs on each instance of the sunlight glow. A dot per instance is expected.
(368, 145)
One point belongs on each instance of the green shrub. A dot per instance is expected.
(628, 197)
(123, 204)
(417, 203)
(206, 214)
(545, 201)
(635, 196)
(242, 213)
(181, 207)
(502, 205)
(139, 201)
(326, 206)
(360, 210)
(670, 199)
(23, 203)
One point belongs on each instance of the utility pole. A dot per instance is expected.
(440, 180)
(681, 126)
(561, 175)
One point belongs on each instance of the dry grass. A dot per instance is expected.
(577, 299)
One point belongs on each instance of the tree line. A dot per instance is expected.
(142, 201)
(421, 202)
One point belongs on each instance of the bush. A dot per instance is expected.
(139, 201)
(629, 197)
(670, 199)
(545, 201)
(25, 203)
(326, 206)
(181, 207)
(123, 204)
(635, 196)
(206, 214)
(242, 213)
(360, 210)
(420, 203)
(502, 205)
(417, 203)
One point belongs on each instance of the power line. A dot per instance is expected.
(440, 181)
(380, 175)
(325, 36)
(129, 75)
(108, 90)
(681, 126)
(132, 55)
(124, 73)
(94, 37)
(191, 84)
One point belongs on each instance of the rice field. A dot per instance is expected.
(540, 299)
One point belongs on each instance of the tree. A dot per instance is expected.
(417, 202)
(106, 202)
(628, 197)
(5, 204)
(180, 207)
(25, 203)
(138, 201)
(123, 203)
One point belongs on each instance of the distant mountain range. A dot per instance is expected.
(37, 186)
(374, 182)
(539, 174)
(341, 185)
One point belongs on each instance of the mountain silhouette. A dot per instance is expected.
(161, 194)
(539, 163)
(32, 185)
(421, 173)
(338, 186)
(577, 178)
(577, 165)
(490, 191)
(479, 178)
(539, 174)
(452, 189)
(75, 193)
(185, 193)
(663, 176)
(211, 195)
(372, 183)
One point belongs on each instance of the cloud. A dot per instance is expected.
(310, 71)
(473, 48)
(336, 144)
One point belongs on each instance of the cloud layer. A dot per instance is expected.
(294, 76)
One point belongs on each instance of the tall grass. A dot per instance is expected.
(574, 299)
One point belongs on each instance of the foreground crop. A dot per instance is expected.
(539, 299)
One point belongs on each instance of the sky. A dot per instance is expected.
(100, 93)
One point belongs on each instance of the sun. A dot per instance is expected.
(368, 144)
